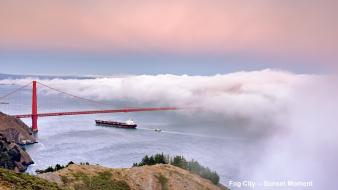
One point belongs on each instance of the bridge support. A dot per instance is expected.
(34, 108)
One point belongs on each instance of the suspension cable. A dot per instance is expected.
(14, 91)
(74, 96)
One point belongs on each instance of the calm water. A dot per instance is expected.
(78, 139)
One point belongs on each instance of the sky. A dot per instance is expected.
(196, 37)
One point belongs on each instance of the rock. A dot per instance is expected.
(15, 130)
(12, 156)
(13, 133)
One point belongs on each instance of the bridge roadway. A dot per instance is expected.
(96, 112)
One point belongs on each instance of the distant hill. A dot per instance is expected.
(155, 177)
(12, 76)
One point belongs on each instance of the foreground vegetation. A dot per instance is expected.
(104, 180)
(57, 167)
(82, 181)
(101, 181)
(18, 181)
(179, 161)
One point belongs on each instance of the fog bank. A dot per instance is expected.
(291, 118)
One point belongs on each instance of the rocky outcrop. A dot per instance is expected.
(156, 177)
(12, 156)
(15, 130)
(13, 133)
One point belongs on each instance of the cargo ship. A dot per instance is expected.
(129, 124)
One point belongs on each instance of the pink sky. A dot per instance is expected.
(282, 27)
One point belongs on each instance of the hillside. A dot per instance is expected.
(156, 177)
(10, 180)
(15, 130)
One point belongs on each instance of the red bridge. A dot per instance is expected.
(35, 115)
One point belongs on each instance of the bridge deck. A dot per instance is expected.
(96, 112)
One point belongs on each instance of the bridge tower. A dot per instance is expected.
(34, 108)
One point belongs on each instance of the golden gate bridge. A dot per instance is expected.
(34, 115)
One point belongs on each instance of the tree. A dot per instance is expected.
(58, 167)
(151, 160)
(179, 161)
(160, 159)
(145, 161)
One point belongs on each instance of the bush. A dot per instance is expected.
(101, 181)
(152, 160)
(8, 156)
(70, 163)
(179, 161)
(24, 181)
(14, 154)
(53, 169)
(6, 161)
(163, 181)
(202, 171)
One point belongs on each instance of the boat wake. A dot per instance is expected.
(190, 134)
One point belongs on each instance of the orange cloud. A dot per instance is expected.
(179, 26)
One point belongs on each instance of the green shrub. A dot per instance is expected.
(163, 181)
(70, 163)
(101, 181)
(25, 181)
(53, 169)
(6, 161)
(179, 161)
(152, 160)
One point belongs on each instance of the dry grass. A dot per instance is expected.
(157, 177)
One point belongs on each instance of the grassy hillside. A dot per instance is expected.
(10, 180)
(155, 177)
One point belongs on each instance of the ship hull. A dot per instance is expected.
(115, 124)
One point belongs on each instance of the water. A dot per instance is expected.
(78, 139)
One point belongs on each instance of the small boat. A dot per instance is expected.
(129, 124)
(158, 130)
